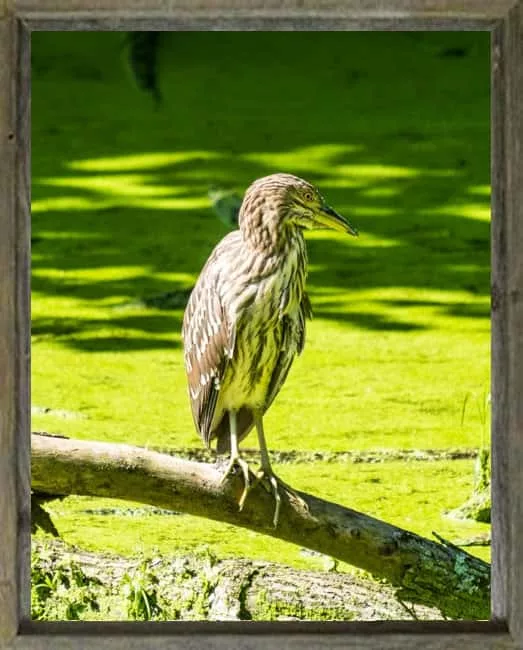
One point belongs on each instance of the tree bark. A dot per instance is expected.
(422, 571)
(202, 587)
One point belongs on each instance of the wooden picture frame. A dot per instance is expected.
(504, 19)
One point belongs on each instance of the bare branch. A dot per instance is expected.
(424, 571)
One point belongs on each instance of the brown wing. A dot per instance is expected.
(286, 356)
(208, 345)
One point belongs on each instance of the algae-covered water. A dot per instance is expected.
(394, 129)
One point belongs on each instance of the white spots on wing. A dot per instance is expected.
(213, 326)
(241, 315)
(195, 393)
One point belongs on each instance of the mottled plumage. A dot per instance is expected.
(245, 320)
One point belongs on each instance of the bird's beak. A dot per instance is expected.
(329, 218)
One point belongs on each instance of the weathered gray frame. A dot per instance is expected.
(504, 19)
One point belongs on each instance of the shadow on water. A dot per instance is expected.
(120, 186)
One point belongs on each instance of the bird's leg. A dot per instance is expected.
(267, 472)
(266, 469)
(236, 459)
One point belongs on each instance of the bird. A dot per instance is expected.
(244, 322)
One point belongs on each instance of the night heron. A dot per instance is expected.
(245, 320)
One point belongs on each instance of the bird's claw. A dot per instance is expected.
(245, 492)
(261, 475)
(274, 483)
(242, 464)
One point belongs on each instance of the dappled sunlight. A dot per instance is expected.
(386, 171)
(411, 310)
(368, 240)
(78, 203)
(116, 331)
(140, 161)
(138, 190)
(481, 190)
(66, 203)
(115, 272)
(378, 197)
(183, 169)
(381, 192)
(123, 224)
(470, 210)
(373, 211)
(106, 289)
(310, 158)
(128, 185)
(171, 203)
(401, 309)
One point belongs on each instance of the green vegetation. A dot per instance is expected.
(394, 129)
(105, 588)
(141, 593)
(197, 587)
(60, 589)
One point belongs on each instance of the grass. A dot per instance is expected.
(394, 129)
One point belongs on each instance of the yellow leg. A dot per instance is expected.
(266, 469)
(236, 459)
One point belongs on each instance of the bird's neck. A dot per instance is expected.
(267, 234)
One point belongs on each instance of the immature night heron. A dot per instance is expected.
(245, 320)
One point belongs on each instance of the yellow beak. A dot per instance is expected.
(329, 218)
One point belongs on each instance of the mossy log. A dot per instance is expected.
(202, 587)
(422, 571)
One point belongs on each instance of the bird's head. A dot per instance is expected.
(307, 208)
(286, 201)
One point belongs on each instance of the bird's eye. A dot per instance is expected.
(308, 196)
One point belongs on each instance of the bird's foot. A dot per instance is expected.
(277, 485)
(242, 464)
(274, 483)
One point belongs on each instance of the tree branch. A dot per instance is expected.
(423, 571)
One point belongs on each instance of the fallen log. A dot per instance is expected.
(202, 587)
(422, 571)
